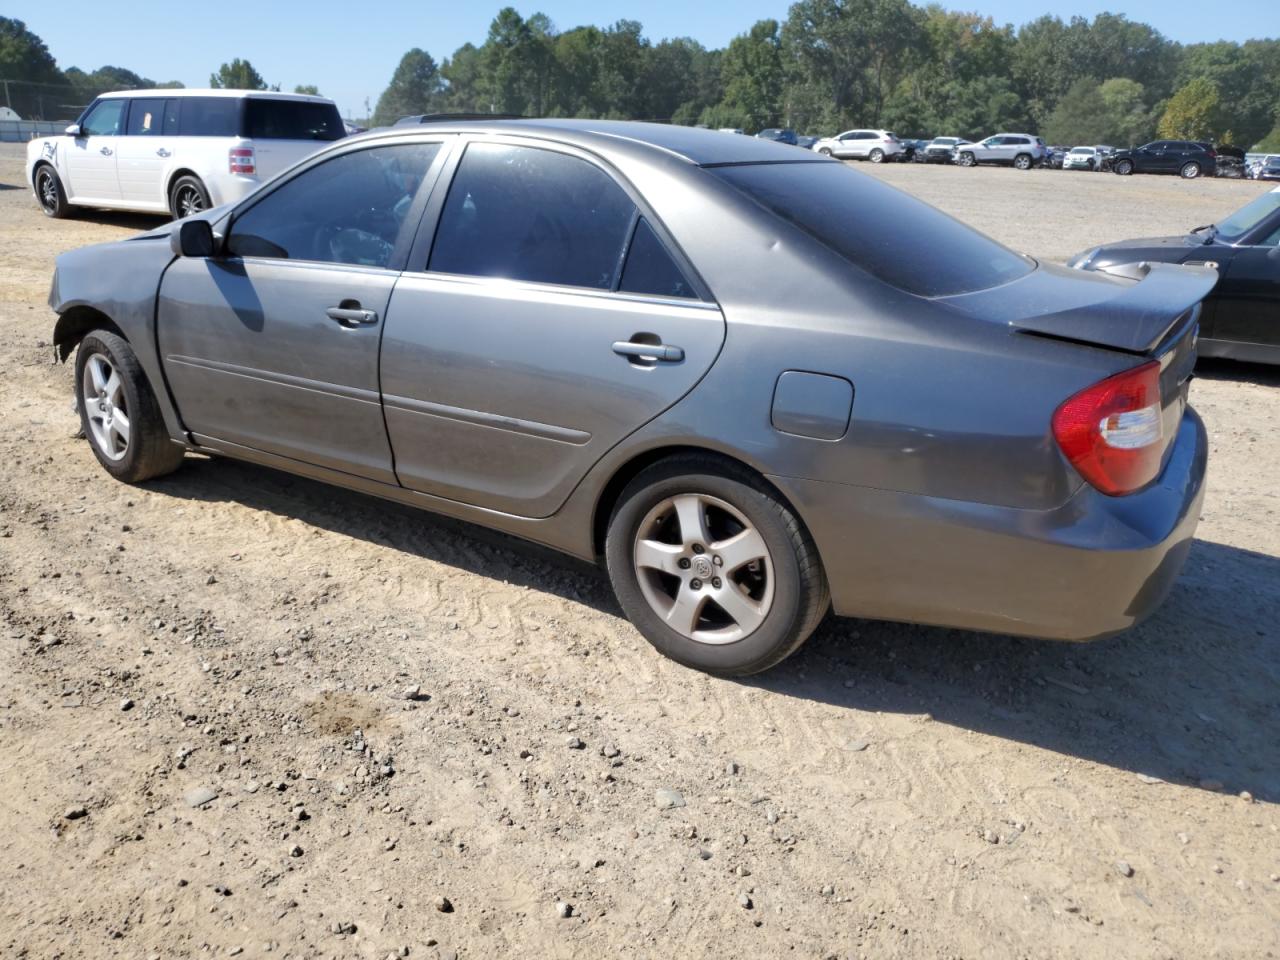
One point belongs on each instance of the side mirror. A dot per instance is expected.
(192, 238)
(74, 130)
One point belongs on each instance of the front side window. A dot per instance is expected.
(104, 119)
(209, 117)
(878, 228)
(350, 209)
(525, 213)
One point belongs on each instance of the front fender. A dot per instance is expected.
(119, 281)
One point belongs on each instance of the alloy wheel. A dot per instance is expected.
(105, 407)
(47, 185)
(703, 568)
(1190, 171)
(189, 201)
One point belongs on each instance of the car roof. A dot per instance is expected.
(693, 144)
(212, 92)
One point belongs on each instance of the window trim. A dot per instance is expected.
(412, 221)
(420, 252)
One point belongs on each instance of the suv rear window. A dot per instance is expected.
(266, 119)
(890, 234)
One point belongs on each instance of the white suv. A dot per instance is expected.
(176, 151)
(1020, 150)
(873, 145)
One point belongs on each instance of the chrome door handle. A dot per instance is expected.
(648, 351)
(162, 152)
(351, 316)
(105, 151)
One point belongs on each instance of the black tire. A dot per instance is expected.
(967, 159)
(800, 595)
(49, 193)
(149, 452)
(1123, 167)
(1022, 161)
(187, 196)
(876, 155)
(825, 151)
(1190, 170)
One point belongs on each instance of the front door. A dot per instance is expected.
(91, 157)
(551, 320)
(1248, 296)
(274, 345)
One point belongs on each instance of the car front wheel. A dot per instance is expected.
(714, 570)
(1190, 170)
(967, 159)
(1123, 167)
(825, 151)
(53, 199)
(119, 413)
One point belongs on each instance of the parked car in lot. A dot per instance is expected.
(1241, 317)
(1187, 158)
(873, 145)
(806, 141)
(912, 150)
(585, 332)
(778, 135)
(1020, 150)
(942, 149)
(732, 130)
(1081, 158)
(1269, 170)
(176, 151)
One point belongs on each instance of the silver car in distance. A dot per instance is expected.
(724, 366)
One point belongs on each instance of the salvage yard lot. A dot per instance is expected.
(890, 791)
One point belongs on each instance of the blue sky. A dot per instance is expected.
(350, 49)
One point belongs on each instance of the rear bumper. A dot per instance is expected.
(1090, 568)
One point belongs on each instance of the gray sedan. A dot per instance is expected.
(725, 367)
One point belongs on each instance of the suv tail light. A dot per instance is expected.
(241, 160)
(1112, 431)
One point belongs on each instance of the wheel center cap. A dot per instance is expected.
(702, 568)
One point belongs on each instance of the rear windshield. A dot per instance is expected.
(291, 120)
(890, 234)
(1249, 216)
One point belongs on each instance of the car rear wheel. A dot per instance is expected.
(119, 413)
(53, 199)
(1022, 161)
(1190, 170)
(188, 197)
(1123, 167)
(714, 570)
(876, 155)
(967, 159)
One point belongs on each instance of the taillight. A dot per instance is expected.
(1112, 431)
(241, 160)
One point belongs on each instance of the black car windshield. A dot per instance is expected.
(1248, 217)
(890, 234)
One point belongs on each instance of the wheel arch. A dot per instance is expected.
(177, 175)
(611, 492)
(75, 323)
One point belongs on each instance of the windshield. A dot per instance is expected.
(1248, 217)
(890, 234)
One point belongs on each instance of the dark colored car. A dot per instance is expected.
(1241, 317)
(728, 368)
(779, 135)
(1187, 158)
(806, 141)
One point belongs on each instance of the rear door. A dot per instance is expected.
(91, 157)
(274, 346)
(144, 152)
(550, 318)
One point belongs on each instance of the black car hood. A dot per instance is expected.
(1174, 249)
(1131, 314)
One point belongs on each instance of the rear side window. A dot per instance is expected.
(649, 267)
(351, 209)
(209, 117)
(525, 213)
(890, 234)
(152, 117)
(291, 120)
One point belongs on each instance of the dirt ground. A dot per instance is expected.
(890, 791)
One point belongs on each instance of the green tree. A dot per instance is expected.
(415, 88)
(237, 75)
(1193, 113)
(308, 88)
(1270, 143)
(752, 73)
(462, 78)
(24, 56)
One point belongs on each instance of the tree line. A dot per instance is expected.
(831, 65)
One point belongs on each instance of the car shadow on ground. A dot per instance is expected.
(1191, 696)
(121, 218)
(1213, 368)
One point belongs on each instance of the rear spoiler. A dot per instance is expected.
(1139, 318)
